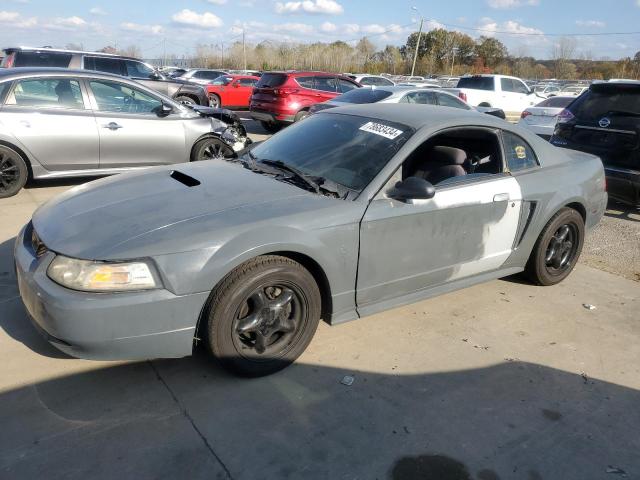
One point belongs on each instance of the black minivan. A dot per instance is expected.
(605, 121)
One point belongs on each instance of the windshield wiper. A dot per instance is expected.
(280, 165)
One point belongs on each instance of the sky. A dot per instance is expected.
(528, 27)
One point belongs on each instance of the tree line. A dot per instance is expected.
(440, 52)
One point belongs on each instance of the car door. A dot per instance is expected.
(326, 88)
(52, 120)
(515, 95)
(131, 132)
(466, 229)
(241, 90)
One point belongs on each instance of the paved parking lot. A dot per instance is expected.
(502, 380)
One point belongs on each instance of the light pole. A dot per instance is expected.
(454, 50)
(415, 54)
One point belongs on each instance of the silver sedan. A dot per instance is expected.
(64, 123)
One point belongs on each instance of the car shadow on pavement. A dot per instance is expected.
(622, 211)
(189, 419)
(59, 182)
(13, 316)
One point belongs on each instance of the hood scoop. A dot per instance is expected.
(184, 178)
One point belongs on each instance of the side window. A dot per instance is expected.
(519, 87)
(306, 82)
(456, 156)
(425, 98)
(138, 69)
(104, 64)
(120, 98)
(520, 155)
(47, 93)
(345, 86)
(507, 85)
(326, 84)
(246, 82)
(42, 59)
(451, 101)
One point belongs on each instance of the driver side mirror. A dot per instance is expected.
(412, 188)
(163, 110)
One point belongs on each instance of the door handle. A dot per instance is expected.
(501, 197)
(112, 126)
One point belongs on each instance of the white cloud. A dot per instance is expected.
(491, 28)
(190, 18)
(328, 27)
(293, 27)
(136, 27)
(502, 4)
(97, 11)
(217, 2)
(326, 7)
(14, 19)
(591, 23)
(66, 23)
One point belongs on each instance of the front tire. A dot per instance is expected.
(557, 249)
(13, 172)
(301, 115)
(262, 315)
(211, 149)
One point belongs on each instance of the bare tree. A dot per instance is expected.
(562, 53)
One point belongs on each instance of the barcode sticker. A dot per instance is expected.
(382, 130)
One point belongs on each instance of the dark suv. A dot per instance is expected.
(285, 97)
(605, 121)
(180, 90)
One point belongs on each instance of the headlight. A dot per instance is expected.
(93, 276)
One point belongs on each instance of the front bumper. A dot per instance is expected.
(105, 326)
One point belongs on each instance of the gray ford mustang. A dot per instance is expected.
(352, 211)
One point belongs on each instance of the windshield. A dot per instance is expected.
(222, 81)
(363, 95)
(344, 149)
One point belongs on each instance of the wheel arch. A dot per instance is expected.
(22, 153)
(312, 265)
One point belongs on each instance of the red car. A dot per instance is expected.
(231, 91)
(285, 97)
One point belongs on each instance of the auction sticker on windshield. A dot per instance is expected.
(382, 130)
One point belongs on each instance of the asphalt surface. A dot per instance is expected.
(503, 380)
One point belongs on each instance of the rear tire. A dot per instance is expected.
(211, 149)
(271, 127)
(214, 101)
(183, 99)
(557, 249)
(301, 115)
(262, 315)
(13, 172)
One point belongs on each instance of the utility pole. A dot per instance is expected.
(415, 54)
(244, 51)
(222, 56)
(164, 51)
(453, 58)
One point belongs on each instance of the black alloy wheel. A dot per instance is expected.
(13, 172)
(211, 149)
(558, 248)
(262, 315)
(269, 320)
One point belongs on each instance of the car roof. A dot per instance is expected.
(18, 72)
(416, 116)
(62, 50)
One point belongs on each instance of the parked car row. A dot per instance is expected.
(64, 122)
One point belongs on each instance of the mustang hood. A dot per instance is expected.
(95, 220)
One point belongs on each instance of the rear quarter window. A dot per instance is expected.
(477, 83)
(519, 154)
(271, 80)
(42, 59)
